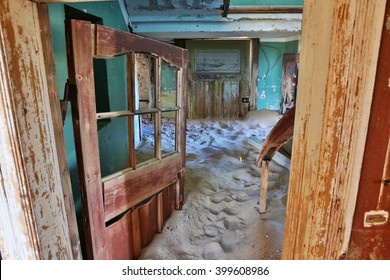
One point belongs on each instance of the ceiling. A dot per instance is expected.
(213, 19)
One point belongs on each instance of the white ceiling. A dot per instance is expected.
(202, 19)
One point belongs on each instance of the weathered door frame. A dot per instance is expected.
(117, 194)
(317, 17)
(340, 44)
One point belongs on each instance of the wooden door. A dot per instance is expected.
(370, 236)
(122, 211)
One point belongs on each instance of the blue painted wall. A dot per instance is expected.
(270, 73)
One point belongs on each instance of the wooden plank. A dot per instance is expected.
(254, 57)
(372, 241)
(111, 42)
(120, 239)
(182, 120)
(149, 220)
(169, 201)
(280, 133)
(136, 233)
(265, 9)
(32, 203)
(160, 212)
(117, 114)
(48, 52)
(131, 64)
(264, 186)
(129, 189)
(80, 65)
(65, 1)
(157, 119)
(340, 42)
(278, 157)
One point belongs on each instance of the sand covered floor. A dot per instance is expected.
(220, 218)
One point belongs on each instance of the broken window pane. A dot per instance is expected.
(145, 150)
(168, 132)
(168, 86)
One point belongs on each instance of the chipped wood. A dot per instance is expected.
(34, 220)
(264, 186)
(111, 42)
(125, 191)
(370, 237)
(340, 42)
(80, 64)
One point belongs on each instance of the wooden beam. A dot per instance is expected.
(340, 43)
(265, 10)
(48, 53)
(264, 186)
(33, 216)
(371, 240)
(111, 42)
(80, 67)
(254, 49)
(67, 1)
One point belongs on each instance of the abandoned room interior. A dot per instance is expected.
(194, 129)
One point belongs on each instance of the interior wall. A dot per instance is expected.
(270, 72)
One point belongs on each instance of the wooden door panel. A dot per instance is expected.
(124, 210)
(125, 191)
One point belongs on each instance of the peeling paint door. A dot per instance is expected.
(219, 79)
(370, 237)
(122, 211)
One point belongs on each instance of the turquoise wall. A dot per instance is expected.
(270, 73)
(266, 2)
(113, 136)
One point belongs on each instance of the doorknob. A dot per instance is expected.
(386, 182)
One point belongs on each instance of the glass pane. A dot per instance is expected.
(168, 86)
(113, 146)
(145, 85)
(168, 132)
(145, 149)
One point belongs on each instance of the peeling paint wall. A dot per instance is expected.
(270, 72)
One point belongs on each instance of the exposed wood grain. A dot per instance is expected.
(127, 190)
(131, 59)
(340, 42)
(33, 214)
(111, 42)
(136, 233)
(264, 185)
(280, 133)
(48, 52)
(254, 73)
(374, 242)
(80, 66)
(157, 98)
(149, 220)
(64, 1)
(160, 212)
(120, 239)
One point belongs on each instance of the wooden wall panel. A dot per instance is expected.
(120, 239)
(340, 42)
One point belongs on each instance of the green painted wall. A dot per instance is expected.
(113, 136)
(270, 72)
(266, 2)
